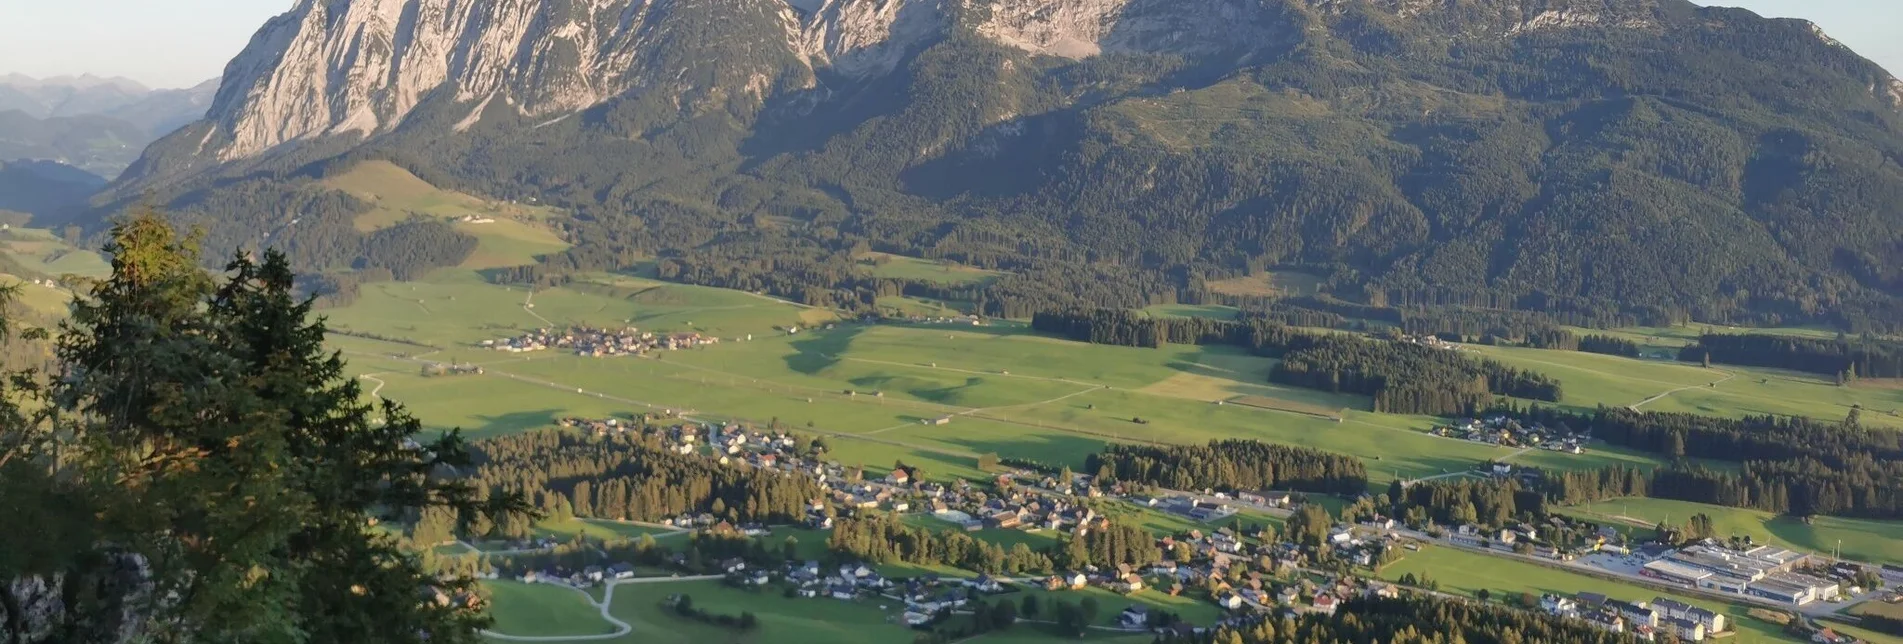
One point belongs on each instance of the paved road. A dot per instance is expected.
(607, 600)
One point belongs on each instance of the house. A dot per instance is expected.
(1635, 613)
(1163, 568)
(759, 578)
(1325, 604)
(1829, 636)
(1384, 591)
(916, 619)
(987, 584)
(1559, 605)
(592, 573)
(841, 591)
(898, 477)
(1076, 580)
(733, 565)
(1672, 609)
(1687, 630)
(1230, 601)
(1129, 583)
(1134, 617)
(808, 592)
(621, 571)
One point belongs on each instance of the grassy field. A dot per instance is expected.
(1466, 573)
(40, 250)
(1592, 379)
(595, 528)
(1879, 607)
(912, 268)
(395, 195)
(542, 610)
(794, 621)
(1268, 284)
(1862, 539)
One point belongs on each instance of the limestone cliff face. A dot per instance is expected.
(357, 68)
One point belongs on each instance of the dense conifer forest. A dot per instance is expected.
(1231, 465)
(628, 476)
(1844, 358)
(1791, 465)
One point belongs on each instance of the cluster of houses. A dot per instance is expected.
(451, 369)
(595, 342)
(584, 577)
(1762, 571)
(960, 320)
(475, 219)
(1642, 620)
(1506, 432)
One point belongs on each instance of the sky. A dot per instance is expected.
(178, 43)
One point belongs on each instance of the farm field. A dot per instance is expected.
(542, 610)
(1466, 573)
(1863, 539)
(1591, 380)
(794, 621)
(1006, 390)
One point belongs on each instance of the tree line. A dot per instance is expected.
(1845, 358)
(1231, 465)
(1414, 618)
(1403, 377)
(886, 539)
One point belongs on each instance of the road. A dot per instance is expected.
(607, 600)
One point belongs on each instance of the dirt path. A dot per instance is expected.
(607, 600)
(528, 306)
(1635, 406)
(372, 377)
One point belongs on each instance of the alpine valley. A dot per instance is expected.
(1607, 162)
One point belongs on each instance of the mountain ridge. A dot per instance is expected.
(1650, 156)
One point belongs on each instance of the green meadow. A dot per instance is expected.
(1591, 380)
(542, 610)
(782, 619)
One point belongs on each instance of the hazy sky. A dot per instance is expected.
(174, 43)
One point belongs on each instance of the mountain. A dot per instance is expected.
(1649, 159)
(98, 124)
(45, 188)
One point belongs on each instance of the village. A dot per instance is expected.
(1506, 432)
(599, 342)
(1242, 570)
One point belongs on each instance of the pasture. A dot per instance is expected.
(1861, 539)
(542, 610)
(782, 619)
(1590, 380)
(1465, 573)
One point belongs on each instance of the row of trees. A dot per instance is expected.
(1411, 619)
(886, 539)
(629, 476)
(1407, 378)
(1842, 357)
(1403, 377)
(1232, 465)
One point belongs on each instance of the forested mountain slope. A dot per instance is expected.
(1645, 156)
